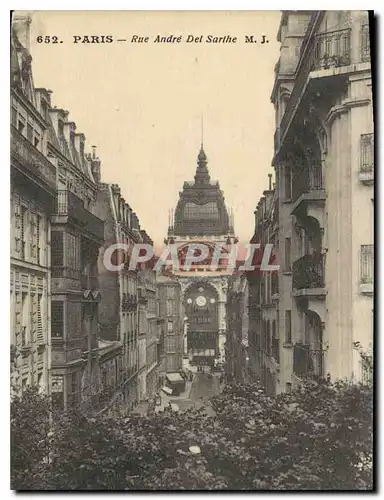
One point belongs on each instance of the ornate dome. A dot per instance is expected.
(201, 209)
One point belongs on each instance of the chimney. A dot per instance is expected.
(270, 181)
(21, 25)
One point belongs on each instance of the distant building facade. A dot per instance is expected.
(237, 308)
(119, 307)
(171, 317)
(264, 339)
(201, 217)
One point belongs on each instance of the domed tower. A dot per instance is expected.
(201, 217)
(201, 210)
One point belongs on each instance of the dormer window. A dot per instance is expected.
(44, 109)
(60, 127)
(72, 138)
(82, 148)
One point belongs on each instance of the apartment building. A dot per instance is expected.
(236, 346)
(324, 163)
(171, 312)
(264, 337)
(119, 306)
(33, 192)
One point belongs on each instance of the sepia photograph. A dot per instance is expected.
(192, 250)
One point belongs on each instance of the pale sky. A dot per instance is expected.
(141, 104)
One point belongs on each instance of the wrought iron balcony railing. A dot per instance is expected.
(332, 49)
(308, 362)
(366, 264)
(308, 272)
(366, 157)
(326, 50)
(306, 180)
(68, 204)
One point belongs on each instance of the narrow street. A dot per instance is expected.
(202, 389)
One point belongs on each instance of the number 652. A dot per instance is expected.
(47, 39)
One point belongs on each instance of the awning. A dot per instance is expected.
(174, 377)
(167, 390)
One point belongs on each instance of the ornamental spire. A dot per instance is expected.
(202, 174)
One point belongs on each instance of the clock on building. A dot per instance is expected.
(201, 301)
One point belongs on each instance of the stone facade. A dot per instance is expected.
(324, 167)
(33, 190)
(201, 217)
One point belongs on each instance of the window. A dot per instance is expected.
(25, 318)
(72, 251)
(366, 264)
(36, 141)
(367, 149)
(39, 326)
(44, 109)
(14, 116)
(287, 254)
(57, 249)
(30, 132)
(170, 327)
(21, 125)
(60, 127)
(171, 344)
(288, 182)
(57, 319)
(38, 225)
(288, 327)
(22, 224)
(171, 307)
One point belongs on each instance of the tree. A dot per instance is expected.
(318, 437)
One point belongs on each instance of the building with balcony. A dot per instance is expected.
(264, 336)
(120, 288)
(154, 338)
(76, 236)
(33, 193)
(201, 218)
(324, 163)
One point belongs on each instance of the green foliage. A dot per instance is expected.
(318, 437)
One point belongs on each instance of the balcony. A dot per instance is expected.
(308, 362)
(308, 275)
(332, 49)
(71, 207)
(366, 269)
(321, 52)
(307, 187)
(366, 173)
(29, 160)
(128, 302)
